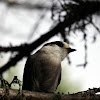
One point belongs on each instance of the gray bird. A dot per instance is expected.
(42, 72)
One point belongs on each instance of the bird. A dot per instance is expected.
(42, 72)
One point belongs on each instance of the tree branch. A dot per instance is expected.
(25, 5)
(12, 94)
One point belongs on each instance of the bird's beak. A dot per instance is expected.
(71, 50)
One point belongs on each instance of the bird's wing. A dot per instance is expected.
(41, 73)
(51, 75)
(32, 73)
(29, 74)
(59, 79)
(26, 74)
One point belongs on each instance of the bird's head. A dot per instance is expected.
(59, 48)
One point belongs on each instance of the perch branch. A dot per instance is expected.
(28, 95)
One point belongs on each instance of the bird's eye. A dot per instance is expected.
(60, 44)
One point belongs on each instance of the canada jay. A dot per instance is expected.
(42, 72)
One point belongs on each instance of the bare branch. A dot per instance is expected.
(25, 5)
(28, 95)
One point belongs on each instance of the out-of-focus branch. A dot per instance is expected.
(14, 48)
(37, 24)
(74, 7)
(83, 11)
(25, 5)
